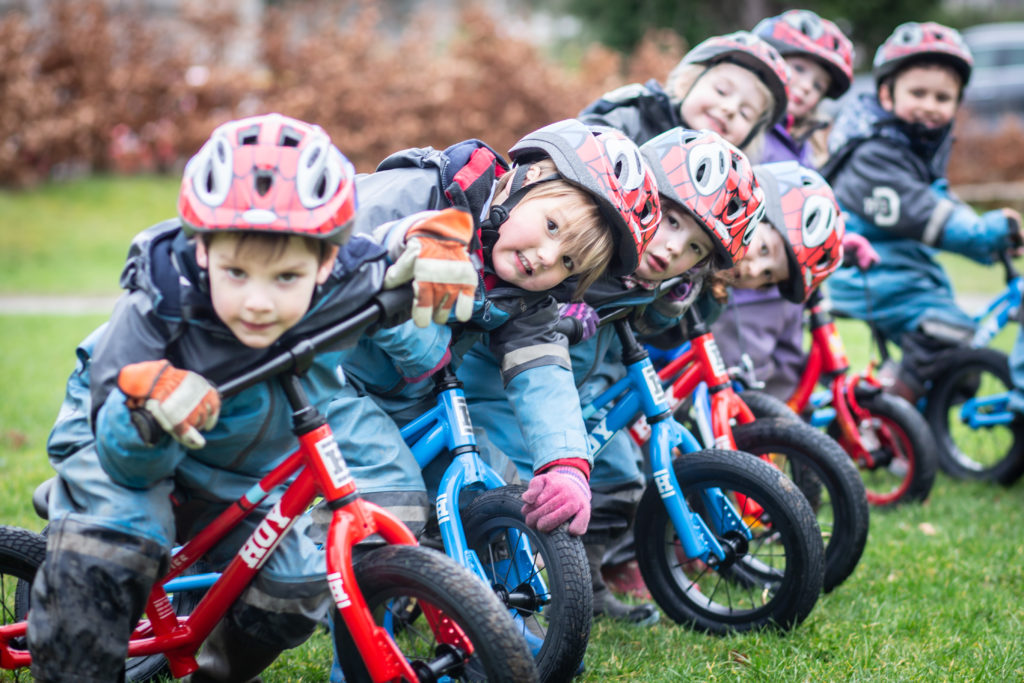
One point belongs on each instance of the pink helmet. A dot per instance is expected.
(609, 167)
(802, 32)
(913, 40)
(269, 173)
(713, 181)
(801, 206)
(749, 51)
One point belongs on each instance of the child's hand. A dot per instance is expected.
(436, 259)
(858, 250)
(559, 495)
(181, 401)
(584, 316)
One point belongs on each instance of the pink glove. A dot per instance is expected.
(559, 495)
(858, 247)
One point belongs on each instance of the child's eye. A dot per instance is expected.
(552, 227)
(672, 222)
(697, 249)
(287, 278)
(235, 273)
(567, 263)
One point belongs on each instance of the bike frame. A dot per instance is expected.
(318, 466)
(447, 427)
(641, 390)
(1002, 309)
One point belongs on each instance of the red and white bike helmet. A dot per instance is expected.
(913, 40)
(803, 33)
(269, 173)
(802, 207)
(749, 51)
(714, 182)
(608, 166)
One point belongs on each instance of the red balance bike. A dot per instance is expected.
(885, 435)
(404, 613)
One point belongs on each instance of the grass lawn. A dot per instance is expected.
(937, 595)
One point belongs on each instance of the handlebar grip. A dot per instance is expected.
(571, 328)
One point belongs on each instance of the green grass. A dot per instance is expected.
(936, 596)
(71, 238)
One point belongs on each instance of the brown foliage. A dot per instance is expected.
(96, 87)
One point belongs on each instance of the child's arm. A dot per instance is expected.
(890, 189)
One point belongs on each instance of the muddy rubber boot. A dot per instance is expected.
(230, 656)
(605, 602)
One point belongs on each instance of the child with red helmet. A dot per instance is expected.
(820, 60)
(888, 166)
(711, 204)
(576, 202)
(259, 254)
(801, 248)
(761, 328)
(733, 84)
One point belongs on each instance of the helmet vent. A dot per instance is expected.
(264, 181)
(321, 187)
(249, 136)
(289, 137)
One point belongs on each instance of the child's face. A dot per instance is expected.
(678, 245)
(928, 95)
(808, 83)
(726, 99)
(258, 291)
(765, 262)
(530, 252)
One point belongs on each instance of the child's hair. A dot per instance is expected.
(272, 244)
(684, 76)
(586, 235)
(923, 62)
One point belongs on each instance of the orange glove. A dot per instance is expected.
(436, 259)
(181, 401)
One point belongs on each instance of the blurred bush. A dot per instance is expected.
(88, 88)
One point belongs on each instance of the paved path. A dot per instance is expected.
(55, 304)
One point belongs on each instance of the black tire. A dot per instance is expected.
(21, 553)
(993, 453)
(493, 522)
(817, 463)
(773, 581)
(399, 578)
(766, 405)
(906, 456)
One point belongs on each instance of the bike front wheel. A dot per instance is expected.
(542, 578)
(771, 580)
(993, 452)
(396, 581)
(21, 553)
(826, 476)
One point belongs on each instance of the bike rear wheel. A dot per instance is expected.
(547, 588)
(771, 581)
(395, 580)
(993, 452)
(816, 463)
(901, 445)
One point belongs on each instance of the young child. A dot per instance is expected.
(734, 85)
(888, 165)
(820, 60)
(760, 329)
(575, 200)
(260, 255)
(710, 206)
